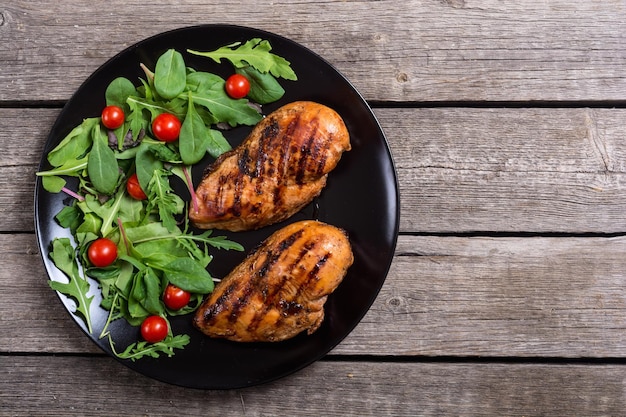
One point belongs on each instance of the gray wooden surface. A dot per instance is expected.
(507, 123)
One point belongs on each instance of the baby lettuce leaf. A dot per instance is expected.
(64, 257)
(170, 74)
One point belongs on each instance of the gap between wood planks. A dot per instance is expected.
(547, 104)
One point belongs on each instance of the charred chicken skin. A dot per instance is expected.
(280, 289)
(276, 171)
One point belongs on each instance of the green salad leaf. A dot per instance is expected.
(155, 245)
(64, 256)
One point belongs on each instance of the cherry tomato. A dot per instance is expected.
(102, 252)
(166, 127)
(175, 298)
(237, 86)
(134, 189)
(154, 329)
(112, 117)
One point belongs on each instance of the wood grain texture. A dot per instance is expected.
(418, 50)
(506, 292)
(50, 386)
(444, 296)
(459, 170)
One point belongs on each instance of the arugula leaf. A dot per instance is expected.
(138, 350)
(255, 52)
(162, 197)
(64, 257)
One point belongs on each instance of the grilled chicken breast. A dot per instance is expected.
(280, 289)
(276, 171)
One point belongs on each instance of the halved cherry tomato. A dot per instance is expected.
(102, 252)
(112, 117)
(166, 127)
(175, 298)
(154, 329)
(134, 189)
(237, 86)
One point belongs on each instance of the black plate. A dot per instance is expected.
(361, 197)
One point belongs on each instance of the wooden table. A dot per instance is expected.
(507, 124)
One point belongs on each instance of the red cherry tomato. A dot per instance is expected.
(175, 298)
(112, 117)
(102, 252)
(166, 127)
(134, 189)
(154, 329)
(237, 86)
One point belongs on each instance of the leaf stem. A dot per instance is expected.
(73, 194)
(194, 202)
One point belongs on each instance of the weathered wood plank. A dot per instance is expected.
(527, 297)
(499, 297)
(459, 169)
(50, 386)
(537, 170)
(437, 50)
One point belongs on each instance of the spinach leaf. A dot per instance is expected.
(152, 284)
(170, 74)
(204, 81)
(101, 164)
(187, 274)
(264, 88)
(118, 92)
(194, 138)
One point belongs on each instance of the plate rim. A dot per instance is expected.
(50, 142)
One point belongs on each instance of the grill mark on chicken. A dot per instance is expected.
(271, 295)
(275, 172)
(271, 257)
(279, 290)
